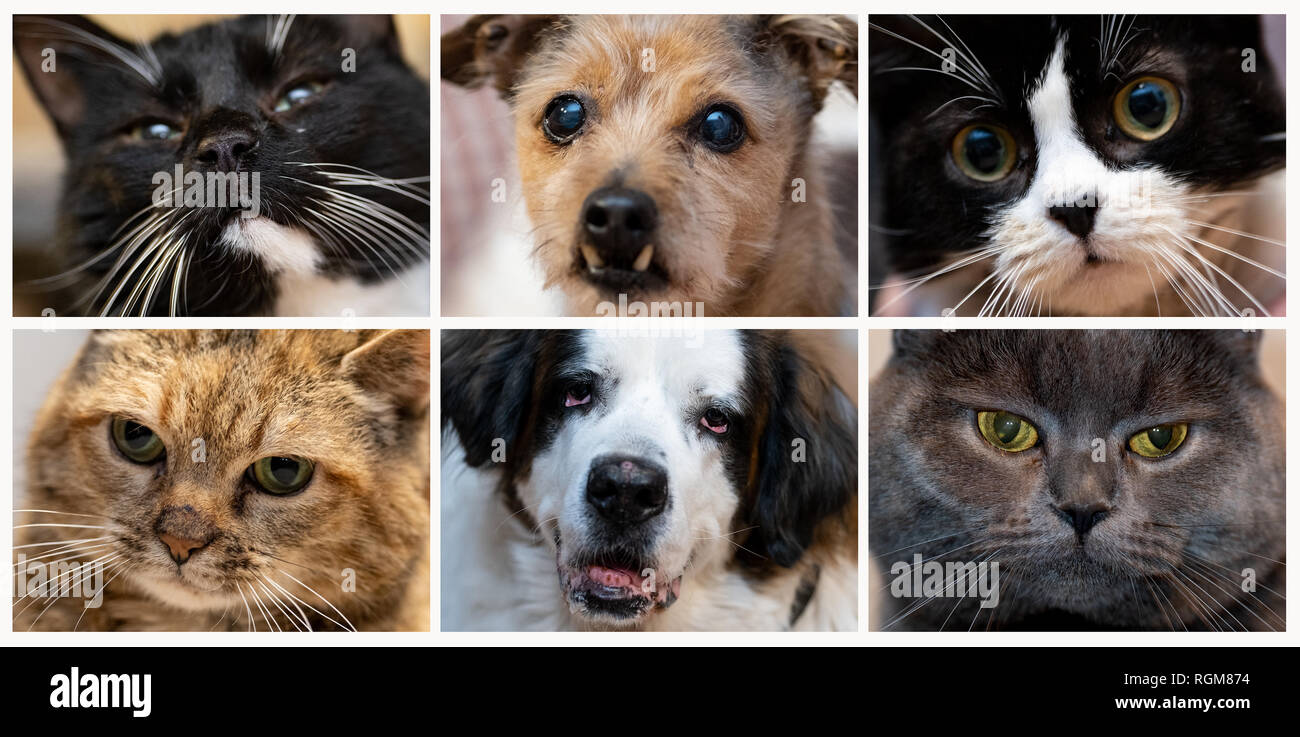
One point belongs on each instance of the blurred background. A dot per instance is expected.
(38, 156)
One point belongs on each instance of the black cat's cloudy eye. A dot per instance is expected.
(563, 119)
(281, 475)
(1147, 108)
(984, 152)
(721, 129)
(155, 131)
(137, 442)
(297, 95)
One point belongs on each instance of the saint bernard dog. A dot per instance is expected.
(596, 480)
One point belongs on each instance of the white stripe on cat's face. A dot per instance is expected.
(1118, 262)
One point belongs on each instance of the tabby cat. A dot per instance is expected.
(240, 480)
(1120, 479)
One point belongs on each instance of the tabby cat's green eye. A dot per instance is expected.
(1006, 431)
(281, 474)
(136, 441)
(1147, 108)
(1159, 441)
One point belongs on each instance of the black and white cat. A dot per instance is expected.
(317, 125)
(1026, 165)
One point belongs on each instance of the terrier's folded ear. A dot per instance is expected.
(825, 47)
(491, 46)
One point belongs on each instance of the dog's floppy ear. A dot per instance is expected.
(490, 46)
(807, 455)
(487, 379)
(64, 56)
(824, 46)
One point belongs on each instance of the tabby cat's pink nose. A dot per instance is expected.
(180, 548)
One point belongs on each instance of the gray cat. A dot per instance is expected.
(1074, 480)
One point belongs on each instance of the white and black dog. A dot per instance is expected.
(596, 480)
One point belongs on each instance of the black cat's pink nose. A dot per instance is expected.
(1078, 219)
(225, 150)
(1083, 517)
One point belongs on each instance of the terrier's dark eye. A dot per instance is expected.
(722, 130)
(564, 118)
(715, 420)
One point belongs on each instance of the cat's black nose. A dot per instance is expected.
(225, 150)
(1077, 219)
(619, 223)
(1083, 517)
(627, 491)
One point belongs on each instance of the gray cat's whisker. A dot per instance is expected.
(1158, 594)
(1213, 607)
(923, 542)
(1209, 576)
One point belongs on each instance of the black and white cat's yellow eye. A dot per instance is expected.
(984, 152)
(137, 442)
(1006, 431)
(1147, 108)
(281, 474)
(1159, 441)
(297, 95)
(155, 130)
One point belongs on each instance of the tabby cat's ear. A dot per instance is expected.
(824, 46)
(807, 456)
(59, 55)
(394, 364)
(491, 47)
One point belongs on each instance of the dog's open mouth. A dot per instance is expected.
(617, 592)
(643, 274)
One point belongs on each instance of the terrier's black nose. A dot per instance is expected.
(619, 223)
(1077, 219)
(627, 491)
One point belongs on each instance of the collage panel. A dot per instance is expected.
(221, 480)
(698, 165)
(1096, 166)
(642, 480)
(1077, 480)
(177, 165)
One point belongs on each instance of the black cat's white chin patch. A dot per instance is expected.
(278, 247)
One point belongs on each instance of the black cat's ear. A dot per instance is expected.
(825, 47)
(487, 384)
(62, 54)
(807, 454)
(368, 31)
(393, 364)
(491, 47)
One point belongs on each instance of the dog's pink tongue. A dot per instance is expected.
(619, 578)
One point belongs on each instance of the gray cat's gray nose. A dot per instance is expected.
(1083, 517)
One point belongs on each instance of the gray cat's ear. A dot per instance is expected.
(825, 47)
(57, 51)
(491, 47)
(393, 364)
(911, 342)
(487, 387)
(807, 456)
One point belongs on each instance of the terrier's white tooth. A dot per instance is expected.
(593, 259)
(643, 259)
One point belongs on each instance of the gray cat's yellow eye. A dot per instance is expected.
(1147, 108)
(297, 95)
(1006, 431)
(281, 474)
(1159, 441)
(155, 131)
(984, 152)
(136, 441)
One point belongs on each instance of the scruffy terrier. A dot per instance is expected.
(668, 158)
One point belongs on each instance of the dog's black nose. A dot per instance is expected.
(1076, 219)
(619, 224)
(627, 491)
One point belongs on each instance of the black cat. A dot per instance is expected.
(257, 165)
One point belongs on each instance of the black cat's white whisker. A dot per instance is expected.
(957, 72)
(1243, 234)
(277, 30)
(1182, 243)
(62, 31)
